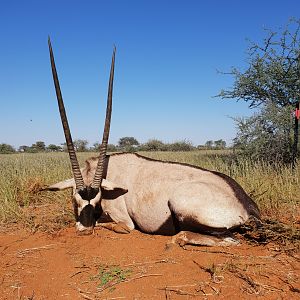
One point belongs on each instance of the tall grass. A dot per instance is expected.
(21, 177)
(274, 188)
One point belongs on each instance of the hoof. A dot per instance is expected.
(121, 228)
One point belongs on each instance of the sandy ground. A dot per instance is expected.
(107, 265)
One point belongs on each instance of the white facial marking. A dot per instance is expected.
(81, 203)
(81, 228)
(96, 199)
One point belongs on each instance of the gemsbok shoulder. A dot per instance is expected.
(194, 205)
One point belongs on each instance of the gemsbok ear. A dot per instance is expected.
(62, 185)
(111, 191)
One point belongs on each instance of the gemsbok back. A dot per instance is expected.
(194, 205)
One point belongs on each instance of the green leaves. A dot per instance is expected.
(111, 275)
(267, 135)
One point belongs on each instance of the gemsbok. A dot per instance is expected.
(194, 205)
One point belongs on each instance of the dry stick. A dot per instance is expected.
(214, 289)
(76, 273)
(151, 262)
(270, 287)
(23, 252)
(178, 291)
(175, 288)
(82, 267)
(211, 251)
(291, 287)
(126, 280)
(181, 292)
(84, 294)
(180, 286)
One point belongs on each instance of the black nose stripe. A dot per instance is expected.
(88, 193)
(87, 216)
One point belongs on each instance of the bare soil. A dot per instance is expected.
(107, 265)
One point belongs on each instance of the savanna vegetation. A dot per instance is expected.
(262, 158)
(271, 84)
(125, 144)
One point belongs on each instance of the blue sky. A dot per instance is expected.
(168, 54)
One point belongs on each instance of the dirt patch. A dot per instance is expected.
(107, 265)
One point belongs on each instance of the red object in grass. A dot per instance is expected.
(297, 113)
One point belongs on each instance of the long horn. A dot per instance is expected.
(100, 167)
(74, 162)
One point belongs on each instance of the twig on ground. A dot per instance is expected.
(76, 273)
(111, 284)
(293, 289)
(180, 292)
(22, 253)
(114, 298)
(151, 262)
(84, 293)
(82, 267)
(181, 286)
(210, 251)
(86, 296)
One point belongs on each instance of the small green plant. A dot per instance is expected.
(111, 275)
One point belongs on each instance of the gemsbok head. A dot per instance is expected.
(86, 193)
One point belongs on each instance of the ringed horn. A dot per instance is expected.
(103, 148)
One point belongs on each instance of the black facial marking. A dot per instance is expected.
(52, 189)
(110, 195)
(88, 193)
(87, 216)
(98, 211)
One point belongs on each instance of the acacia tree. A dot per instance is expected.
(80, 145)
(39, 146)
(220, 144)
(54, 148)
(6, 148)
(272, 76)
(110, 147)
(266, 134)
(209, 144)
(128, 143)
(154, 145)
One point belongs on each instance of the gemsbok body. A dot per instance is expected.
(194, 205)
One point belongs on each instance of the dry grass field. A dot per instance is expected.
(42, 258)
